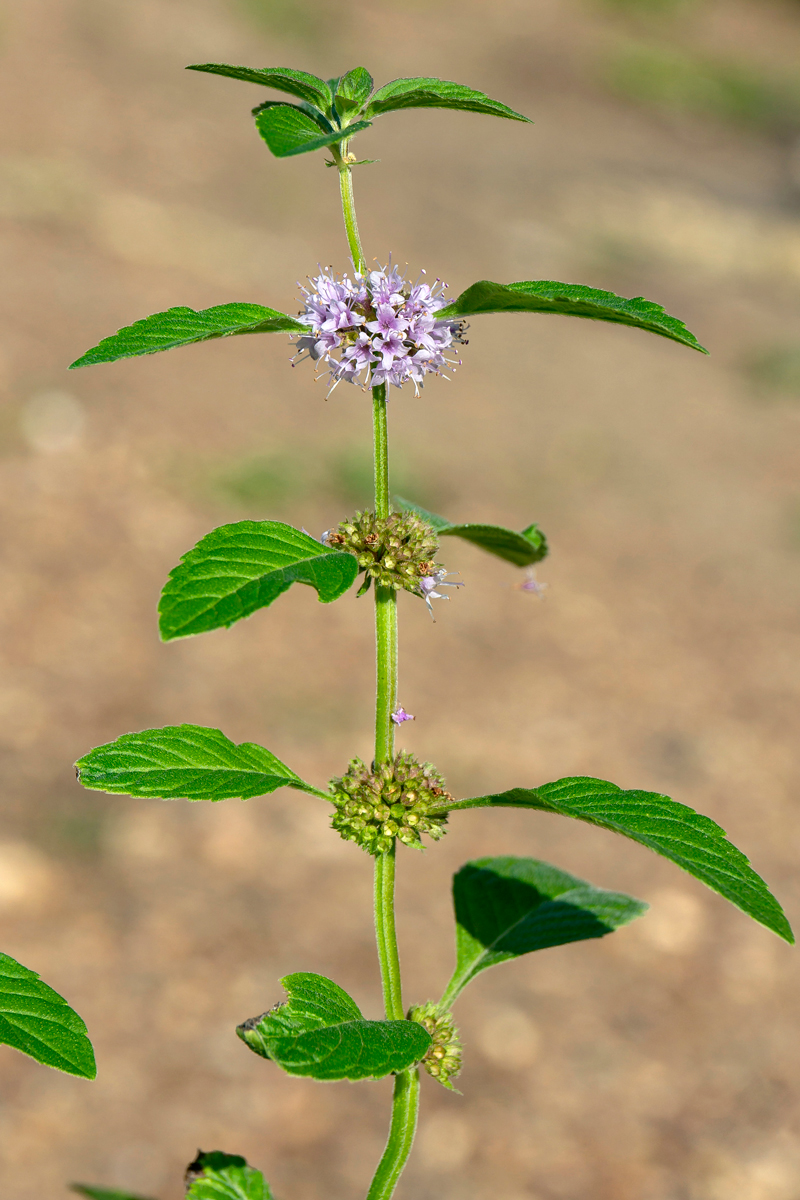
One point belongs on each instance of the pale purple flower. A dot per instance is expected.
(429, 583)
(377, 328)
(531, 584)
(400, 715)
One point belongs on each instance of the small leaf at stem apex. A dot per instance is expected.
(320, 1032)
(185, 762)
(522, 549)
(217, 1176)
(570, 300)
(506, 907)
(689, 839)
(37, 1021)
(437, 93)
(237, 569)
(184, 326)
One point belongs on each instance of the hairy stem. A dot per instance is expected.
(401, 1135)
(349, 206)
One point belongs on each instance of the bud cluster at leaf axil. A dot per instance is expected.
(396, 551)
(443, 1058)
(392, 800)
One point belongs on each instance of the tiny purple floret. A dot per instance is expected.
(400, 715)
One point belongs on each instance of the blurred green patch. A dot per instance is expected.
(259, 481)
(680, 83)
(311, 22)
(647, 8)
(792, 525)
(774, 372)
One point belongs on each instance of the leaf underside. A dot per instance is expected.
(40, 1023)
(184, 762)
(436, 93)
(320, 1032)
(218, 1176)
(522, 549)
(689, 839)
(288, 130)
(506, 907)
(237, 569)
(305, 86)
(570, 300)
(183, 326)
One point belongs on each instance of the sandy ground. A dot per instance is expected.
(658, 1064)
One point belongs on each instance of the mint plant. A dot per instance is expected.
(375, 329)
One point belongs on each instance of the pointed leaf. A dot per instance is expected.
(182, 326)
(307, 87)
(218, 1176)
(506, 907)
(353, 90)
(185, 762)
(239, 568)
(523, 549)
(100, 1193)
(40, 1023)
(436, 93)
(320, 1032)
(571, 300)
(694, 842)
(288, 130)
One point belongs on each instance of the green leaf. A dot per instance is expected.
(571, 300)
(353, 90)
(99, 1193)
(307, 87)
(320, 1032)
(185, 762)
(288, 130)
(182, 326)
(40, 1023)
(506, 907)
(239, 568)
(218, 1176)
(436, 93)
(523, 549)
(694, 842)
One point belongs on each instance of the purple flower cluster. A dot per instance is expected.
(377, 328)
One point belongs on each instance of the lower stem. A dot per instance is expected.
(405, 1105)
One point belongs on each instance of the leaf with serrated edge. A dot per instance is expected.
(307, 87)
(522, 549)
(354, 89)
(570, 300)
(185, 762)
(40, 1023)
(506, 907)
(689, 839)
(218, 1176)
(320, 1032)
(436, 93)
(183, 326)
(101, 1193)
(288, 130)
(237, 569)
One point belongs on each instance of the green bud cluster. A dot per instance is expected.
(443, 1058)
(394, 800)
(396, 551)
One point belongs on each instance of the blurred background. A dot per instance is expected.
(658, 1064)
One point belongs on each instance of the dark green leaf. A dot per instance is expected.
(182, 326)
(99, 1193)
(353, 90)
(571, 300)
(40, 1023)
(506, 907)
(523, 549)
(218, 1176)
(689, 839)
(239, 568)
(184, 762)
(320, 1032)
(307, 87)
(288, 130)
(436, 93)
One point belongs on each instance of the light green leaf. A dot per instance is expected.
(436, 93)
(570, 300)
(523, 549)
(307, 87)
(288, 130)
(694, 842)
(40, 1023)
(506, 907)
(182, 326)
(320, 1032)
(218, 1176)
(239, 568)
(99, 1193)
(353, 90)
(185, 762)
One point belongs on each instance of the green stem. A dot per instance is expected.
(349, 206)
(405, 1105)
